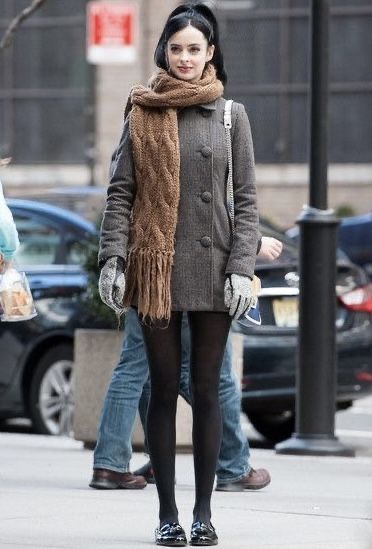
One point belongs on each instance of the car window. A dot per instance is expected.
(39, 241)
(76, 251)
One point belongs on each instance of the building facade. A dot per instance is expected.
(60, 118)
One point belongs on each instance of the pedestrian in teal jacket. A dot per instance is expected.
(8, 233)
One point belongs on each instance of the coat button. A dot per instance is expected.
(206, 242)
(206, 151)
(206, 197)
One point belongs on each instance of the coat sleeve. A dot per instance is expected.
(245, 245)
(8, 233)
(120, 197)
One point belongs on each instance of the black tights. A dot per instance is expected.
(209, 331)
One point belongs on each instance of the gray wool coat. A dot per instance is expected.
(204, 251)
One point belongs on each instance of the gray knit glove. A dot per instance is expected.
(111, 284)
(238, 295)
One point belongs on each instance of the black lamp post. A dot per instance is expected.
(316, 360)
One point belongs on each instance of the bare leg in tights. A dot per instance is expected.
(209, 331)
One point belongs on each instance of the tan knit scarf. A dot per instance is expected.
(154, 132)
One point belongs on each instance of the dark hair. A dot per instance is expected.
(202, 18)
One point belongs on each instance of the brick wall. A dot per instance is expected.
(283, 189)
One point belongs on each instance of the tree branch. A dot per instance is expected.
(16, 22)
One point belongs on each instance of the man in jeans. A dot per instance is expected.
(130, 387)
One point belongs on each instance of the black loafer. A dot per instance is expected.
(203, 534)
(170, 534)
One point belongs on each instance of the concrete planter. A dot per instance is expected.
(96, 355)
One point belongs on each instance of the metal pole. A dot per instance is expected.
(316, 357)
(319, 52)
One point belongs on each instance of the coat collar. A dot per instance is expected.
(209, 106)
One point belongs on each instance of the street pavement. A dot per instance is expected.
(45, 502)
(353, 427)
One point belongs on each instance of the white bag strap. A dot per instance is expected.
(229, 185)
(227, 114)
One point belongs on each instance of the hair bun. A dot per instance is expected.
(206, 12)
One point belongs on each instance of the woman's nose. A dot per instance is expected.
(184, 56)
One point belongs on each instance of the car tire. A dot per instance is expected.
(275, 427)
(51, 396)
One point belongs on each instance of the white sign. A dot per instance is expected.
(110, 33)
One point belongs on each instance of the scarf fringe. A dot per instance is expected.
(148, 277)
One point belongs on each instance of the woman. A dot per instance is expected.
(166, 245)
(8, 233)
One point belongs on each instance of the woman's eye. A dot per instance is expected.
(174, 49)
(195, 50)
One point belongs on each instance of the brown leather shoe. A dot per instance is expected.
(254, 480)
(104, 479)
(147, 472)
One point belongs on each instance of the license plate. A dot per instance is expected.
(286, 312)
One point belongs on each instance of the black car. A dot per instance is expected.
(37, 355)
(268, 383)
(354, 239)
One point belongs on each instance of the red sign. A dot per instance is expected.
(110, 32)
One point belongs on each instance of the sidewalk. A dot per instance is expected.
(45, 502)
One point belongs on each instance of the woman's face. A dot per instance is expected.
(187, 52)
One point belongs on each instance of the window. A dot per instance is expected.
(266, 47)
(76, 250)
(44, 85)
(39, 241)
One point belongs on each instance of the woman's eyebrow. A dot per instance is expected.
(180, 45)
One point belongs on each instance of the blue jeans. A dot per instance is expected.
(129, 390)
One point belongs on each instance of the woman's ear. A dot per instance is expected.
(210, 52)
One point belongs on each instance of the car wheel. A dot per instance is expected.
(275, 427)
(52, 395)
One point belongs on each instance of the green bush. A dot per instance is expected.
(92, 298)
(345, 210)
